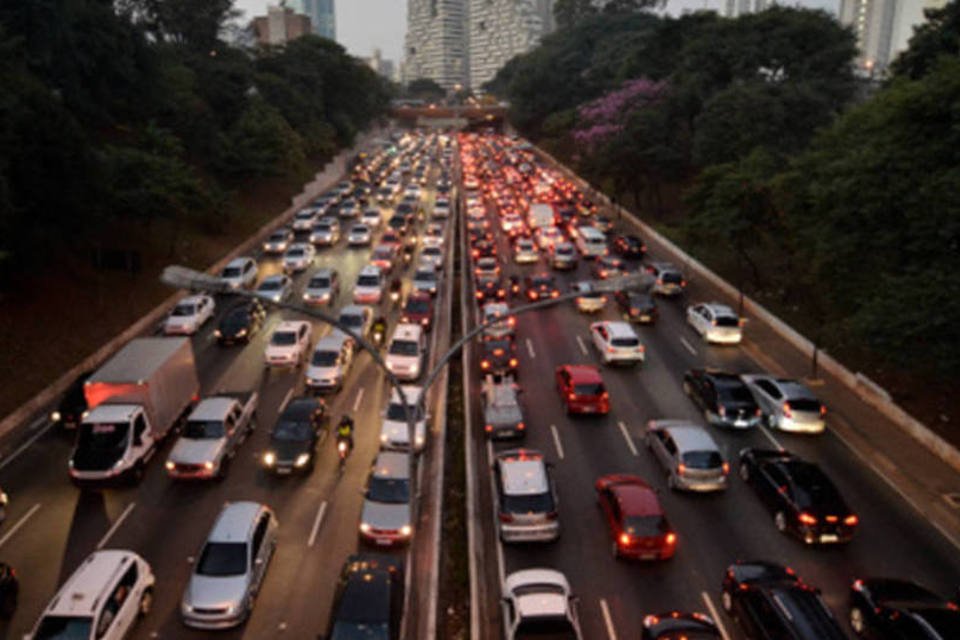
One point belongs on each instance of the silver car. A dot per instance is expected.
(323, 287)
(688, 454)
(425, 279)
(385, 519)
(539, 603)
(231, 567)
(326, 232)
(330, 362)
(526, 497)
(786, 404)
(359, 235)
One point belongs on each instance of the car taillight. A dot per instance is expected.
(858, 585)
(823, 410)
(681, 468)
(488, 428)
(611, 350)
(851, 521)
(726, 468)
(604, 396)
(624, 539)
(787, 413)
(683, 283)
(521, 426)
(554, 294)
(571, 397)
(671, 538)
(552, 515)
(506, 517)
(758, 413)
(513, 362)
(484, 364)
(479, 295)
(806, 518)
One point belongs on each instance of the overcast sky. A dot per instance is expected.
(363, 25)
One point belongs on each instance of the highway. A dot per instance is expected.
(714, 529)
(52, 526)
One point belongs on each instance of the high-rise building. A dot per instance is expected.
(322, 17)
(279, 26)
(883, 28)
(436, 42)
(502, 29)
(383, 67)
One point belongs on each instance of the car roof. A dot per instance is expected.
(636, 499)
(370, 269)
(240, 262)
(392, 464)
(193, 299)
(301, 408)
(690, 437)
(277, 277)
(326, 272)
(583, 373)
(523, 472)
(354, 309)
(81, 593)
(235, 521)
(212, 409)
(332, 341)
(407, 332)
(619, 329)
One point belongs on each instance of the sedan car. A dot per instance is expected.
(359, 235)
(540, 287)
(489, 290)
(323, 287)
(486, 267)
(629, 247)
(724, 398)
(358, 319)
(525, 251)
(608, 267)
(675, 625)
(293, 440)
(289, 344)
(325, 232)
(278, 241)
(275, 288)
(425, 280)
(538, 603)
(385, 519)
(716, 323)
(497, 313)
(369, 598)
(189, 315)
(372, 218)
(418, 309)
(548, 236)
(589, 300)
(787, 404)
(637, 524)
(616, 342)
(298, 257)
(637, 307)
(499, 357)
(240, 273)
(893, 608)
(563, 256)
(241, 322)
(803, 500)
(394, 431)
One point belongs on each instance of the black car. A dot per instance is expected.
(499, 357)
(490, 290)
(883, 608)
(407, 211)
(398, 223)
(770, 602)
(724, 398)
(803, 500)
(540, 287)
(675, 625)
(484, 249)
(293, 441)
(9, 591)
(629, 246)
(637, 307)
(73, 404)
(369, 598)
(240, 322)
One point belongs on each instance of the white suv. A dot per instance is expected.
(526, 497)
(369, 287)
(405, 353)
(539, 601)
(289, 343)
(617, 342)
(716, 323)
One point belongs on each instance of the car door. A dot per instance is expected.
(611, 511)
(773, 487)
(231, 431)
(660, 442)
(697, 318)
(708, 394)
(600, 337)
(259, 552)
(767, 396)
(303, 339)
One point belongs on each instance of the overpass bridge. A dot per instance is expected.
(447, 117)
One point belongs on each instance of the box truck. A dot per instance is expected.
(540, 215)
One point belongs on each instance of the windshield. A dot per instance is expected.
(404, 348)
(64, 628)
(396, 413)
(360, 631)
(703, 460)
(324, 358)
(223, 559)
(645, 526)
(727, 321)
(203, 429)
(295, 253)
(425, 276)
(351, 320)
(103, 436)
(671, 278)
(270, 285)
(283, 338)
(232, 272)
(319, 283)
(183, 310)
(417, 306)
(537, 503)
(389, 490)
(625, 342)
(368, 281)
(291, 431)
(545, 628)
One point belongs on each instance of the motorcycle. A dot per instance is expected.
(343, 451)
(514, 286)
(396, 288)
(378, 337)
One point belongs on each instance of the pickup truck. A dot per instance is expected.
(502, 415)
(211, 436)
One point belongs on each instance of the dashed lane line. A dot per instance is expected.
(583, 347)
(530, 349)
(626, 436)
(316, 524)
(357, 400)
(116, 525)
(687, 345)
(556, 440)
(713, 614)
(608, 620)
(22, 521)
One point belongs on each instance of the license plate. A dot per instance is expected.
(648, 556)
(283, 470)
(644, 318)
(829, 537)
(383, 542)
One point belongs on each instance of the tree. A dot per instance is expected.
(568, 13)
(194, 24)
(938, 36)
(260, 143)
(630, 6)
(425, 89)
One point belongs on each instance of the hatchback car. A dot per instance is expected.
(606, 267)
(563, 256)
(893, 608)
(525, 251)
(787, 404)
(372, 218)
(538, 603)
(526, 498)
(425, 280)
(230, 568)
(325, 232)
(406, 352)
(716, 323)
(724, 398)
(278, 241)
(293, 440)
(369, 287)
(668, 280)
(323, 287)
(487, 267)
(590, 299)
(385, 519)
(275, 288)
(289, 344)
(637, 307)
(303, 219)
(359, 235)
(330, 362)
(582, 390)
(690, 457)
(240, 273)
(189, 315)
(395, 431)
(384, 256)
(369, 598)
(298, 257)
(356, 318)
(637, 524)
(616, 342)
(432, 255)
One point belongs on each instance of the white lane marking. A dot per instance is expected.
(356, 401)
(583, 347)
(530, 349)
(766, 432)
(13, 456)
(500, 563)
(286, 399)
(626, 436)
(688, 346)
(556, 440)
(316, 523)
(608, 620)
(116, 525)
(36, 424)
(713, 614)
(22, 521)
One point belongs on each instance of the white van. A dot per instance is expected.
(591, 242)
(405, 355)
(103, 599)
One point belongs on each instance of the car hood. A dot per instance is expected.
(383, 515)
(211, 592)
(196, 451)
(288, 450)
(323, 372)
(397, 432)
(280, 352)
(181, 321)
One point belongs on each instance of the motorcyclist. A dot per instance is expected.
(396, 287)
(345, 432)
(379, 329)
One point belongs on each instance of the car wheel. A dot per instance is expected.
(857, 621)
(146, 602)
(745, 472)
(726, 601)
(780, 521)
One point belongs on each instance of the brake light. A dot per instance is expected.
(858, 585)
(479, 295)
(726, 468)
(521, 426)
(671, 538)
(484, 364)
(488, 428)
(506, 517)
(851, 521)
(571, 397)
(513, 362)
(758, 413)
(611, 350)
(554, 294)
(823, 410)
(787, 413)
(721, 410)
(683, 283)
(552, 515)
(624, 539)
(806, 518)
(681, 468)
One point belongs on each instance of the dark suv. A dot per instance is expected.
(724, 398)
(369, 600)
(240, 322)
(770, 602)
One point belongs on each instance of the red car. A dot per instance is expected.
(638, 527)
(582, 389)
(418, 310)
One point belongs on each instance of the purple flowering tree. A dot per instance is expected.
(602, 120)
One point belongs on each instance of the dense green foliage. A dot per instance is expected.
(139, 110)
(848, 213)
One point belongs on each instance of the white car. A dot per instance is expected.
(787, 404)
(432, 255)
(395, 432)
(716, 323)
(289, 344)
(359, 235)
(425, 279)
(369, 287)
(510, 222)
(303, 219)
(298, 257)
(487, 268)
(617, 342)
(275, 288)
(548, 236)
(278, 241)
(240, 273)
(406, 351)
(494, 311)
(371, 218)
(323, 287)
(441, 208)
(525, 252)
(536, 599)
(189, 315)
(385, 517)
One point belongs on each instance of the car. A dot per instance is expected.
(398, 224)
(803, 500)
(276, 288)
(418, 309)
(406, 351)
(688, 454)
(538, 603)
(298, 257)
(563, 255)
(498, 356)
(483, 248)
(668, 279)
(425, 280)
(676, 625)
(372, 218)
(770, 602)
(499, 314)
(637, 307)
(629, 247)
(894, 608)
(487, 267)
(230, 567)
(582, 390)
(489, 289)
(323, 287)
(787, 404)
(278, 241)
(359, 235)
(289, 344)
(326, 232)
(357, 318)
(433, 256)
(548, 236)
(392, 239)
(502, 413)
(636, 522)
(385, 518)
(72, 408)
(590, 299)
(303, 219)
(384, 257)
(369, 598)
(541, 286)
(369, 286)
(441, 208)
(716, 323)
(330, 362)
(525, 251)
(616, 342)
(526, 497)
(349, 208)
(723, 397)
(608, 267)
(293, 439)
(189, 315)
(603, 223)
(240, 273)
(394, 431)
(9, 591)
(240, 322)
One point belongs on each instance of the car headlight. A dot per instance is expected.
(217, 333)
(241, 333)
(269, 458)
(302, 459)
(276, 297)
(208, 466)
(406, 530)
(415, 368)
(55, 416)
(170, 465)
(364, 527)
(383, 438)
